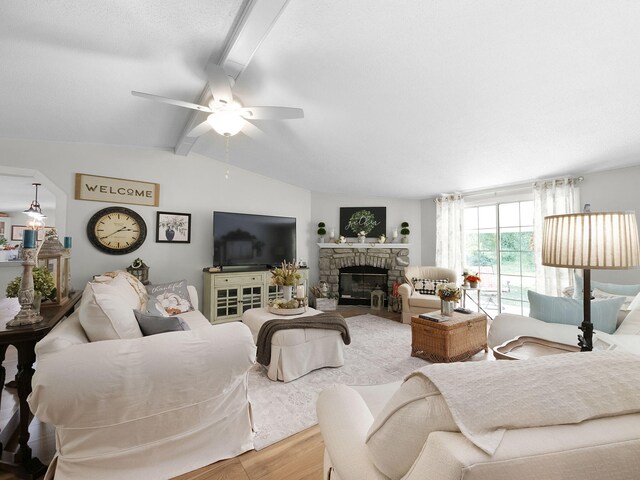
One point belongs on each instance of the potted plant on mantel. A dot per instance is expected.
(321, 232)
(404, 231)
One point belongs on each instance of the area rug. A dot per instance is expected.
(380, 352)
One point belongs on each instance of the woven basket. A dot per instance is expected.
(451, 341)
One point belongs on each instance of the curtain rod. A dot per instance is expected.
(512, 188)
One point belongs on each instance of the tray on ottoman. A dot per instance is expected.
(452, 341)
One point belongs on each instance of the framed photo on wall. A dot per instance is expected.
(17, 232)
(172, 227)
(371, 220)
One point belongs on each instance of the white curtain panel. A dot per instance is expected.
(450, 232)
(554, 197)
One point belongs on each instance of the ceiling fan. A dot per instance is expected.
(227, 117)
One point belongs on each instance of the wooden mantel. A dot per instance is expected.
(363, 245)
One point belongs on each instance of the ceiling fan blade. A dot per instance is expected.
(219, 84)
(271, 113)
(251, 131)
(171, 101)
(199, 129)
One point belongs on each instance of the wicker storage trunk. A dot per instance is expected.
(451, 341)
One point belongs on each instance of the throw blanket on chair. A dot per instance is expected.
(487, 398)
(322, 321)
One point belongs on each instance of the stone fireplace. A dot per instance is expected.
(342, 256)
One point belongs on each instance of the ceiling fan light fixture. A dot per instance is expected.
(227, 123)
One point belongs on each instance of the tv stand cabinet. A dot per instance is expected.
(228, 294)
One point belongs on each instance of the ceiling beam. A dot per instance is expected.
(254, 24)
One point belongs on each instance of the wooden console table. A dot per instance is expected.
(24, 338)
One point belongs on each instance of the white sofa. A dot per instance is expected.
(413, 302)
(592, 450)
(147, 407)
(507, 326)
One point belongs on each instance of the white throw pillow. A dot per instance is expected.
(628, 299)
(399, 432)
(106, 311)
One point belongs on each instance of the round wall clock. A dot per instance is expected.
(116, 230)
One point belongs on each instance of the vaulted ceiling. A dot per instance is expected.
(405, 99)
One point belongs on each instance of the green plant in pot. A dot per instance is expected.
(404, 231)
(43, 286)
(321, 232)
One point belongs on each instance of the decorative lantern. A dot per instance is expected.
(139, 270)
(57, 259)
(377, 298)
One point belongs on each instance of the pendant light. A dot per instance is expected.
(34, 210)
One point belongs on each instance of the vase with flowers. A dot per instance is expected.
(473, 280)
(286, 276)
(449, 294)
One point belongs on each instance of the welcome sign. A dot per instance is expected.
(116, 190)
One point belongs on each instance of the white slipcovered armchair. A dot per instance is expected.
(413, 302)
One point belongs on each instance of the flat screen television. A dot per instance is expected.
(242, 239)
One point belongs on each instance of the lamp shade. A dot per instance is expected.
(606, 240)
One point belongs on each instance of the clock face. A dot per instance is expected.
(116, 230)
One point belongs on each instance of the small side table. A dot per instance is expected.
(467, 293)
(24, 338)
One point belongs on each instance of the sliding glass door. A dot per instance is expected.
(499, 246)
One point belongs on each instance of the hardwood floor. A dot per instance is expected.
(296, 458)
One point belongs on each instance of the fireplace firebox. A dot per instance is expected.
(357, 283)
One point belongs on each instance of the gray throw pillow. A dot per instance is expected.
(173, 296)
(153, 324)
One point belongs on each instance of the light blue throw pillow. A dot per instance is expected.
(569, 311)
(616, 289)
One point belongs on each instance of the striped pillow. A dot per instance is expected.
(426, 286)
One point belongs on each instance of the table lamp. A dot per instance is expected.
(606, 240)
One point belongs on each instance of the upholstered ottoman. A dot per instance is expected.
(298, 351)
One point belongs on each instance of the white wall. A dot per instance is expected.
(192, 184)
(613, 190)
(326, 208)
(428, 219)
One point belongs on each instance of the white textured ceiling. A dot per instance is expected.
(405, 99)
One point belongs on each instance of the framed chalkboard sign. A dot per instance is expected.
(370, 220)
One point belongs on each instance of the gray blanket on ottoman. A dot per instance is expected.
(322, 321)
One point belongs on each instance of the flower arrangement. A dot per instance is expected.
(175, 222)
(42, 283)
(472, 278)
(287, 274)
(449, 292)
